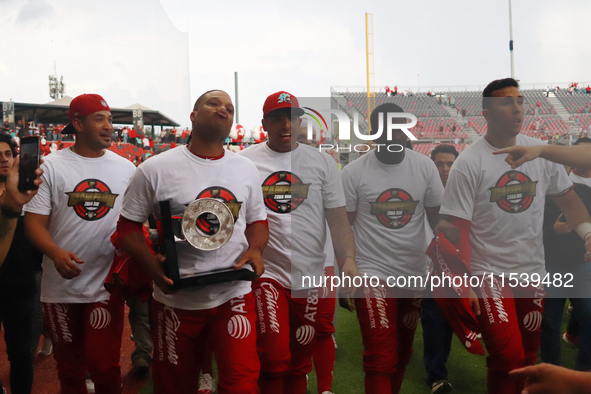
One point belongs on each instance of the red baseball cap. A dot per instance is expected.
(280, 100)
(82, 106)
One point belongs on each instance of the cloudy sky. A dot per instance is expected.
(164, 54)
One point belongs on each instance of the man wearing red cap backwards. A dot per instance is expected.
(70, 221)
(302, 191)
(202, 169)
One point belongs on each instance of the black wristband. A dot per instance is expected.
(9, 213)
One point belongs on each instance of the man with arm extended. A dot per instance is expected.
(71, 220)
(202, 169)
(17, 272)
(389, 192)
(11, 199)
(499, 212)
(302, 192)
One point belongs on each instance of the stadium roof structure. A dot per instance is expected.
(56, 112)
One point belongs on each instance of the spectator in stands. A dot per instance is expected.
(145, 142)
(58, 131)
(395, 93)
(151, 143)
(6, 127)
(388, 90)
(588, 89)
(125, 134)
(133, 136)
(49, 132)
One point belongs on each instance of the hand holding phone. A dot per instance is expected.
(29, 163)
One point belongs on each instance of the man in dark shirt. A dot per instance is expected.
(564, 251)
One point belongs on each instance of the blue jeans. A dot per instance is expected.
(552, 321)
(437, 334)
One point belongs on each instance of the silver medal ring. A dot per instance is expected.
(198, 238)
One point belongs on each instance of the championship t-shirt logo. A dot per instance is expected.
(284, 192)
(92, 199)
(394, 208)
(208, 223)
(514, 192)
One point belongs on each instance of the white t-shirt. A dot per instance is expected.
(181, 177)
(579, 179)
(83, 196)
(505, 206)
(389, 201)
(146, 142)
(297, 187)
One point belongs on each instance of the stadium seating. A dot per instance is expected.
(578, 103)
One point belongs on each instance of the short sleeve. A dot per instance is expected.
(138, 199)
(459, 197)
(255, 207)
(434, 192)
(351, 197)
(332, 188)
(559, 182)
(41, 202)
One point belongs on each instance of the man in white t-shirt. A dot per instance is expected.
(499, 212)
(202, 169)
(71, 220)
(302, 192)
(389, 193)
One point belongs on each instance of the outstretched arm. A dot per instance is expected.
(551, 379)
(573, 156)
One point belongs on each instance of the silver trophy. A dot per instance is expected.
(188, 228)
(198, 238)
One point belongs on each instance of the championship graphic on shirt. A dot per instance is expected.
(514, 192)
(284, 192)
(209, 223)
(92, 199)
(394, 208)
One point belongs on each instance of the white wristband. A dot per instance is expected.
(584, 229)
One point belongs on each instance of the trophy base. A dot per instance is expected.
(212, 277)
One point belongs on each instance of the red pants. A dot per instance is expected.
(324, 354)
(388, 318)
(87, 338)
(286, 332)
(178, 346)
(510, 330)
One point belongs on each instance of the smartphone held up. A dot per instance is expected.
(30, 155)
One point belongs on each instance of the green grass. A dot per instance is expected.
(466, 371)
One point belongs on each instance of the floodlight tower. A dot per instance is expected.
(511, 40)
(369, 52)
(56, 87)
